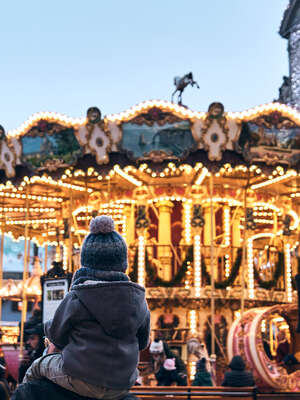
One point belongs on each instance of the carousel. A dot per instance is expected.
(208, 203)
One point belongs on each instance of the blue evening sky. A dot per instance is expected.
(68, 55)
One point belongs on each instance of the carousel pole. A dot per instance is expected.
(46, 254)
(46, 258)
(244, 254)
(1, 268)
(86, 203)
(212, 272)
(25, 276)
(70, 248)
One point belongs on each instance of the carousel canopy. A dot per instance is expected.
(57, 171)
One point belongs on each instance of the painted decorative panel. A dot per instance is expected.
(50, 150)
(170, 140)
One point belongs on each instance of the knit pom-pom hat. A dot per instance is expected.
(104, 248)
(169, 364)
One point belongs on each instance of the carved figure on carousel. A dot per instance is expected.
(94, 137)
(198, 219)
(142, 221)
(9, 153)
(181, 83)
(217, 132)
(168, 322)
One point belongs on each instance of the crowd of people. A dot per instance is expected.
(169, 369)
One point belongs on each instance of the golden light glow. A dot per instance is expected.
(162, 104)
(50, 181)
(201, 176)
(31, 222)
(124, 228)
(31, 197)
(192, 369)
(187, 222)
(129, 178)
(262, 235)
(23, 209)
(65, 257)
(197, 265)
(260, 206)
(230, 202)
(237, 314)
(288, 268)
(250, 269)
(227, 265)
(170, 198)
(193, 321)
(271, 181)
(294, 215)
(188, 272)
(252, 113)
(48, 116)
(141, 261)
(227, 226)
(166, 106)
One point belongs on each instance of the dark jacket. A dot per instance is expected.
(166, 377)
(238, 377)
(101, 327)
(202, 378)
(44, 390)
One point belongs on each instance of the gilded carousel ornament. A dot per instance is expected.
(7, 155)
(217, 132)
(94, 137)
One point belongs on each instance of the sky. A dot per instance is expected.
(66, 56)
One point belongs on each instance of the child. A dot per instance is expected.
(101, 324)
(167, 374)
(202, 377)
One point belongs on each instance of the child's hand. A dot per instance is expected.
(53, 349)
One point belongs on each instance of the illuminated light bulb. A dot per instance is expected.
(141, 260)
(250, 269)
(197, 265)
(288, 265)
(187, 219)
(193, 321)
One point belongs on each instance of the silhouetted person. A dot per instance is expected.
(202, 377)
(238, 377)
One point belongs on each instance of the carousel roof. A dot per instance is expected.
(55, 170)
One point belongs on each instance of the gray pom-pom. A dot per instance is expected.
(102, 224)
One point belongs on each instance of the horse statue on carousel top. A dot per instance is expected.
(181, 83)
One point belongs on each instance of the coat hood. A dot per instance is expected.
(109, 302)
(237, 363)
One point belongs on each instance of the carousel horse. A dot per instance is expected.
(181, 83)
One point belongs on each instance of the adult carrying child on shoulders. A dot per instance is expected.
(101, 325)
